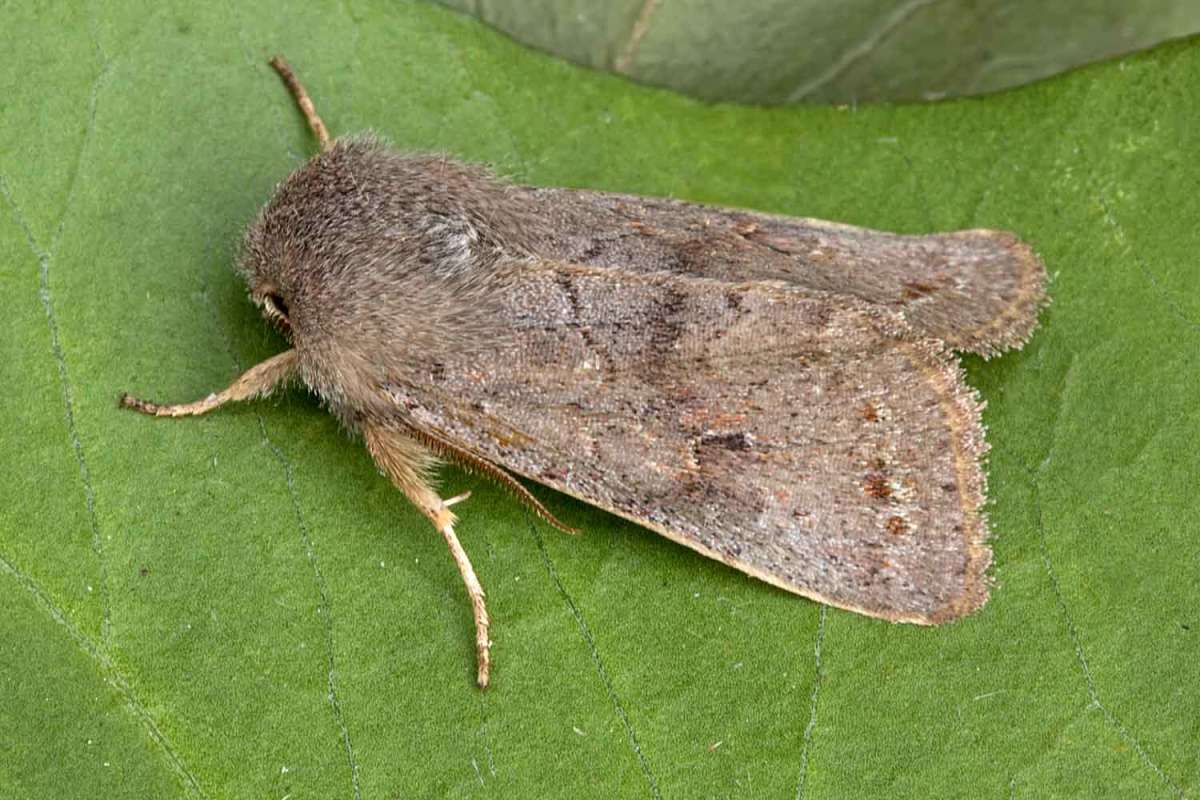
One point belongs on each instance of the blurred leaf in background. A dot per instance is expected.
(239, 606)
(837, 51)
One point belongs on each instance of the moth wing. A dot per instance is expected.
(805, 438)
(977, 290)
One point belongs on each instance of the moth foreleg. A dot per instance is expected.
(254, 382)
(408, 464)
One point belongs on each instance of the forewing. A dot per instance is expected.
(804, 438)
(977, 290)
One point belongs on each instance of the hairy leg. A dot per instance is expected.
(481, 466)
(408, 464)
(257, 381)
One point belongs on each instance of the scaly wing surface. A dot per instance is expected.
(805, 438)
(977, 290)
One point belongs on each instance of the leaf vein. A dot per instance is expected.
(636, 33)
(812, 706)
(44, 258)
(323, 604)
(108, 669)
(605, 679)
(1122, 240)
(1110, 718)
(856, 53)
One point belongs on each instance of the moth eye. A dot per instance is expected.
(276, 305)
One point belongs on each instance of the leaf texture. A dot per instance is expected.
(240, 606)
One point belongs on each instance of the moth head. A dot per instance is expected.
(262, 266)
(266, 263)
(359, 235)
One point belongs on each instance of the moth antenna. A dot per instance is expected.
(482, 466)
(303, 100)
(257, 381)
(404, 460)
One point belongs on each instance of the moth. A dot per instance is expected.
(776, 393)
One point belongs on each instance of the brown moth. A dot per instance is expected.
(772, 392)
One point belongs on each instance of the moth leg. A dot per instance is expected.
(257, 381)
(302, 99)
(408, 464)
(479, 465)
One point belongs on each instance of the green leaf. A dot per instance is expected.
(848, 51)
(239, 606)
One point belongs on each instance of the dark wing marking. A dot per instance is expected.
(805, 438)
(977, 290)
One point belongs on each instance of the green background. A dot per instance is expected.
(239, 606)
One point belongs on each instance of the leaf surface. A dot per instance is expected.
(239, 606)
(850, 51)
